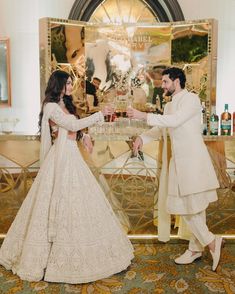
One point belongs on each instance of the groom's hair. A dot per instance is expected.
(176, 73)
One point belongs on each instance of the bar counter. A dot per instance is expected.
(130, 183)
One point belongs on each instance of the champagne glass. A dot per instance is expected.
(117, 108)
(111, 105)
(129, 105)
(103, 106)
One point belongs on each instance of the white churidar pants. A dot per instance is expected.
(201, 236)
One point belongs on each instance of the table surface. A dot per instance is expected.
(23, 153)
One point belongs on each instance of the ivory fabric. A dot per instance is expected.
(190, 204)
(65, 230)
(190, 182)
(164, 217)
(194, 170)
(201, 236)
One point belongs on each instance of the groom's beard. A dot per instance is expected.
(170, 92)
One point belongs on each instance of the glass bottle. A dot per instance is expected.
(204, 119)
(225, 127)
(214, 122)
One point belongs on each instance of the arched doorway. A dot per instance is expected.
(122, 11)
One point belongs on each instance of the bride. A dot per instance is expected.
(65, 230)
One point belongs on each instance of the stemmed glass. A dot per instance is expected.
(112, 104)
(129, 105)
(108, 118)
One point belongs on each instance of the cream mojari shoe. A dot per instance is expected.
(216, 255)
(188, 257)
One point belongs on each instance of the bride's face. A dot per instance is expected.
(69, 86)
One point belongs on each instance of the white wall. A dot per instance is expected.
(19, 22)
(224, 12)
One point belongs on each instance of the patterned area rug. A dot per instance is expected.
(152, 271)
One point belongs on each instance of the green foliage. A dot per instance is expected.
(189, 49)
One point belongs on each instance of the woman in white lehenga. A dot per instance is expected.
(65, 230)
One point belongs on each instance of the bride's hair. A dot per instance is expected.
(55, 86)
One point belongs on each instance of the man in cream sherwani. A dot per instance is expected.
(192, 181)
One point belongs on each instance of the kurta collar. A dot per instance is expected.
(179, 95)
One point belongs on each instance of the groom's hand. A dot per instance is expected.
(137, 145)
(87, 143)
(136, 114)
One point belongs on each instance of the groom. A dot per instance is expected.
(192, 181)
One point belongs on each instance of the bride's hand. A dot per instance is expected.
(107, 110)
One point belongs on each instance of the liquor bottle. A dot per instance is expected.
(204, 119)
(214, 122)
(225, 127)
(234, 123)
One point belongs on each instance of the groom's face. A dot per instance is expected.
(168, 85)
